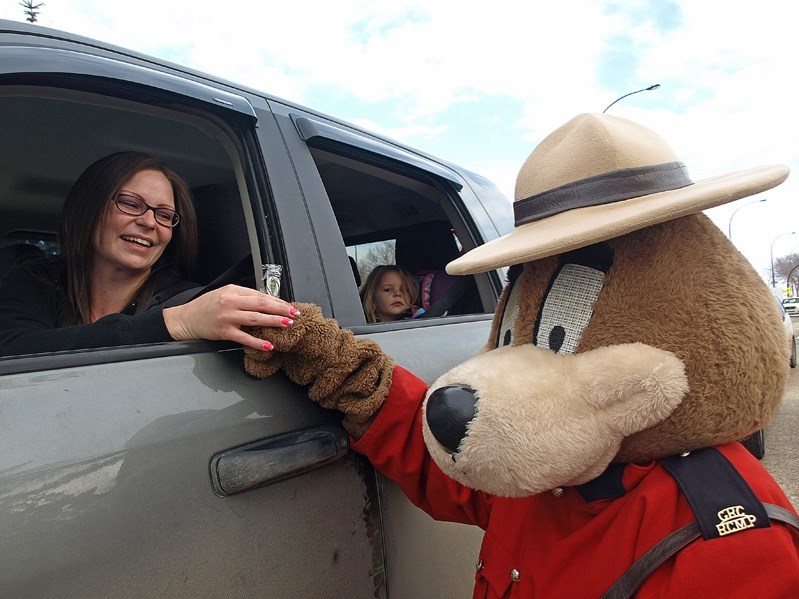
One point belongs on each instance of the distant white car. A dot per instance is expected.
(791, 305)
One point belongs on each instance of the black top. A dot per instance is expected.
(33, 298)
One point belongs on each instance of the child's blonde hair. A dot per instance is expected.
(410, 288)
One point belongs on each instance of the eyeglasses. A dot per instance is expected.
(135, 206)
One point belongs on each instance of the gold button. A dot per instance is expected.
(514, 575)
(557, 491)
(479, 565)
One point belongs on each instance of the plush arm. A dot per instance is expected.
(341, 371)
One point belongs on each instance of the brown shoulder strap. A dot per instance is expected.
(634, 577)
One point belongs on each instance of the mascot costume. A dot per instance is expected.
(595, 436)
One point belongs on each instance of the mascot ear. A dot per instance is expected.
(631, 388)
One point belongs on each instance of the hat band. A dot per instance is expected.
(607, 188)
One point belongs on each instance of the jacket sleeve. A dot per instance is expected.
(395, 445)
(29, 322)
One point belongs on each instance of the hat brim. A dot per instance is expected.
(581, 227)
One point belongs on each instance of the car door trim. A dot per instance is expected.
(310, 129)
(25, 60)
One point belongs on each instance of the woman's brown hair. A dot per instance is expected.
(83, 211)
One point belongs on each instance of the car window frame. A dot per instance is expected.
(234, 128)
(464, 210)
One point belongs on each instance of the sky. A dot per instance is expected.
(481, 83)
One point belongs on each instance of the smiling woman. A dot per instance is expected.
(110, 253)
(128, 243)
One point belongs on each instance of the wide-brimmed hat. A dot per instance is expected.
(598, 177)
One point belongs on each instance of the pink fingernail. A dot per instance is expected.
(287, 321)
(268, 346)
(294, 312)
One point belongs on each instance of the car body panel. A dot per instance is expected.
(108, 447)
(105, 452)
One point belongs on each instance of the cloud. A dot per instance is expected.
(481, 84)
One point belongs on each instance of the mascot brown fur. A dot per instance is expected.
(594, 437)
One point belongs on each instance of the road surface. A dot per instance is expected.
(782, 444)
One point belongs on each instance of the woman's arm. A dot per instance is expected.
(29, 319)
(221, 314)
(29, 314)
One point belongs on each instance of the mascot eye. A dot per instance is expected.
(509, 316)
(568, 307)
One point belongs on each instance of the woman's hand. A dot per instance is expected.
(221, 314)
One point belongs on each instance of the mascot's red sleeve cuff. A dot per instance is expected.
(395, 445)
(402, 406)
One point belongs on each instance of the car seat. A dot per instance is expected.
(221, 230)
(14, 254)
(425, 250)
(426, 247)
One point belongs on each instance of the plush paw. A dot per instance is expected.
(262, 363)
(342, 372)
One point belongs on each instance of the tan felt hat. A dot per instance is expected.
(598, 177)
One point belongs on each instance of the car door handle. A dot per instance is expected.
(277, 458)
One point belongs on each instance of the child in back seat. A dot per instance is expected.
(390, 293)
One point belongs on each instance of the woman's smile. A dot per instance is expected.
(133, 243)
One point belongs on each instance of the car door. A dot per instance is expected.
(164, 470)
(363, 194)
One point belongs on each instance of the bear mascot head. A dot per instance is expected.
(609, 354)
(611, 258)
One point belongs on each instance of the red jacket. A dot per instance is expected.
(560, 545)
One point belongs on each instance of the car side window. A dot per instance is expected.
(398, 214)
(49, 135)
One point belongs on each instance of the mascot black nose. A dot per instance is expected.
(449, 411)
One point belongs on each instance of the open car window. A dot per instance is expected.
(50, 134)
(389, 212)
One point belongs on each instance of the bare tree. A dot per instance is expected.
(786, 267)
(381, 253)
(31, 9)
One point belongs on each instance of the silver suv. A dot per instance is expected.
(163, 470)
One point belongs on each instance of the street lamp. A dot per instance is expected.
(773, 282)
(729, 225)
(646, 89)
